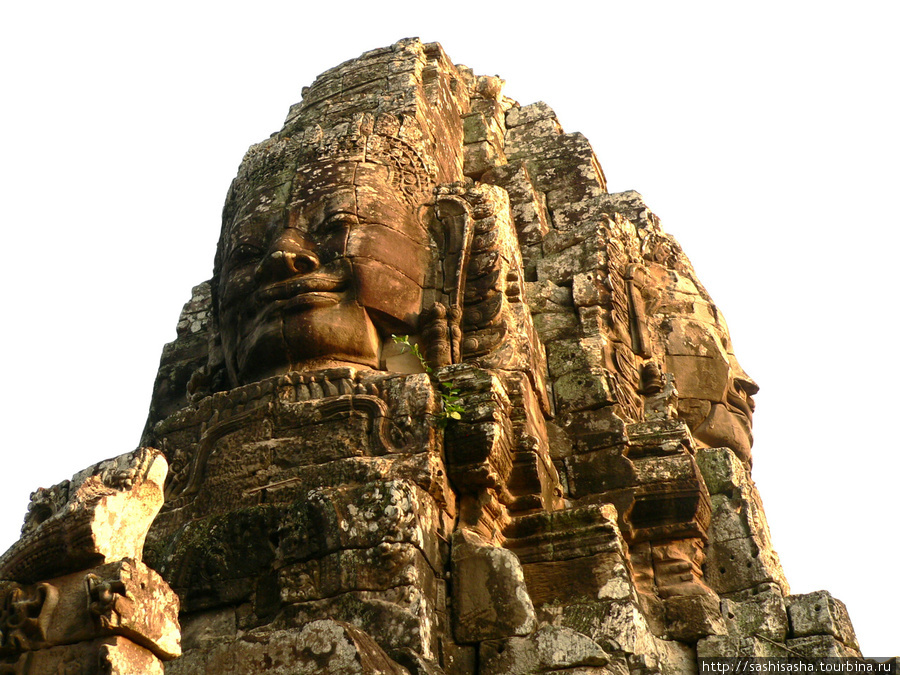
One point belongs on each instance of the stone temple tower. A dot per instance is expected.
(447, 406)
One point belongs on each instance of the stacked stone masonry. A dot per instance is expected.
(76, 597)
(550, 473)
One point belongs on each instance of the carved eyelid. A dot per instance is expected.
(245, 249)
(332, 223)
(337, 218)
(248, 231)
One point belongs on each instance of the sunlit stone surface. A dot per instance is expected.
(446, 406)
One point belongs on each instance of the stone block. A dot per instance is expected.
(479, 455)
(657, 438)
(821, 646)
(124, 598)
(672, 658)
(565, 533)
(517, 116)
(559, 240)
(108, 656)
(323, 646)
(561, 163)
(583, 390)
(415, 664)
(529, 140)
(531, 254)
(574, 356)
(820, 613)
(183, 357)
(588, 288)
(550, 648)
(475, 128)
(631, 205)
(696, 377)
(663, 469)
(691, 617)
(528, 206)
(368, 515)
(594, 429)
(571, 556)
(616, 625)
(754, 593)
(458, 659)
(730, 646)
(490, 600)
(197, 311)
(582, 202)
(318, 443)
(534, 480)
(489, 107)
(532, 221)
(740, 515)
(763, 615)
(359, 517)
(583, 256)
(481, 156)
(545, 296)
(595, 321)
(727, 520)
(385, 243)
(722, 470)
(201, 628)
(575, 581)
(386, 566)
(555, 326)
(399, 618)
(740, 564)
(599, 471)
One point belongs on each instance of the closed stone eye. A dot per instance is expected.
(244, 254)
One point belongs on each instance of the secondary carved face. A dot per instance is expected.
(316, 270)
(715, 394)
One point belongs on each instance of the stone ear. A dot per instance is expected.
(216, 369)
(454, 219)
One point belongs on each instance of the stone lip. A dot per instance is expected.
(101, 515)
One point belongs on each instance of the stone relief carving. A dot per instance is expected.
(103, 513)
(325, 253)
(75, 596)
(592, 509)
(408, 196)
(25, 615)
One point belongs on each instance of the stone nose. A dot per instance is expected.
(291, 254)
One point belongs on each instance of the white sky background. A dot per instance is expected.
(764, 135)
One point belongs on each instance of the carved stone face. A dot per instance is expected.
(715, 395)
(316, 270)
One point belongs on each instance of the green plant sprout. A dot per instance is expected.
(450, 407)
